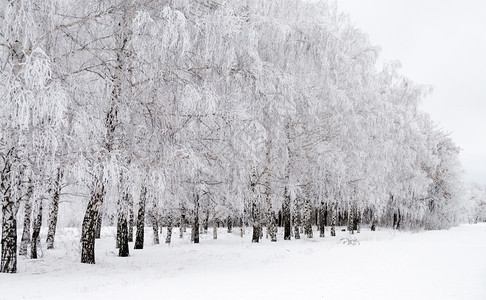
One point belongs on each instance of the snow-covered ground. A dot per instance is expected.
(387, 264)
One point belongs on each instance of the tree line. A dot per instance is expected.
(236, 113)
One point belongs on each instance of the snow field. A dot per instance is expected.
(447, 264)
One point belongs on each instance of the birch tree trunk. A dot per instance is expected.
(99, 219)
(206, 221)
(394, 220)
(255, 213)
(351, 217)
(358, 220)
(130, 220)
(141, 219)
(229, 224)
(322, 219)
(89, 222)
(256, 234)
(373, 221)
(195, 226)
(54, 209)
(9, 237)
(286, 215)
(307, 218)
(14, 40)
(155, 222)
(10, 205)
(182, 223)
(215, 230)
(169, 229)
(119, 220)
(333, 218)
(36, 228)
(271, 226)
(122, 226)
(124, 249)
(397, 217)
(122, 38)
(25, 241)
(195, 229)
(215, 221)
(99, 215)
(297, 219)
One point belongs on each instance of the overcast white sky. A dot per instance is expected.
(441, 43)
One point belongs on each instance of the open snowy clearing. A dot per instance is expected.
(448, 264)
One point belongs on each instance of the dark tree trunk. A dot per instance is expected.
(195, 227)
(351, 217)
(169, 229)
(25, 241)
(155, 227)
(297, 232)
(10, 206)
(122, 226)
(333, 218)
(119, 221)
(396, 220)
(141, 219)
(8, 263)
(89, 223)
(357, 221)
(399, 219)
(272, 227)
(267, 224)
(326, 214)
(99, 218)
(182, 223)
(206, 222)
(322, 220)
(286, 215)
(308, 228)
(36, 230)
(155, 222)
(215, 230)
(270, 214)
(373, 221)
(98, 223)
(9, 238)
(54, 209)
(256, 234)
(297, 221)
(230, 225)
(123, 250)
(308, 217)
(130, 220)
(255, 212)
